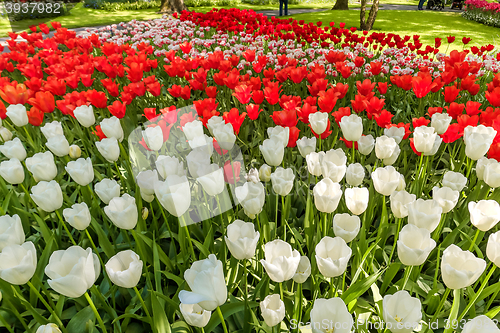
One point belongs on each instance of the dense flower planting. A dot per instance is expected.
(483, 12)
(226, 172)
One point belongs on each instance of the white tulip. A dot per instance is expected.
(241, 239)
(319, 122)
(212, 179)
(5, 134)
(78, 216)
(314, 161)
(109, 149)
(42, 166)
(346, 226)
(17, 114)
(273, 310)
(122, 211)
(423, 138)
(435, 147)
(168, 165)
(47, 195)
(282, 133)
(193, 129)
(400, 201)
(327, 195)
(273, 151)
(333, 165)
(330, 315)
(174, 194)
(73, 271)
(481, 165)
(402, 313)
(52, 129)
(85, 115)
(392, 159)
(492, 248)
(440, 122)
(306, 145)
(460, 269)
(125, 269)
(397, 133)
(212, 123)
(385, 147)
(481, 324)
(107, 189)
(251, 196)
(454, 180)
(281, 261)
(112, 128)
(224, 134)
(75, 151)
(12, 171)
(252, 176)
(14, 149)
(197, 159)
(357, 199)
(352, 127)
(282, 181)
(386, 180)
(492, 174)
(81, 171)
(425, 214)
(332, 256)
(265, 173)
(303, 270)
(58, 145)
(445, 197)
(366, 144)
(355, 174)
(153, 136)
(195, 315)
(414, 245)
(478, 140)
(18, 263)
(207, 282)
(484, 214)
(11, 231)
(146, 181)
(203, 142)
(49, 328)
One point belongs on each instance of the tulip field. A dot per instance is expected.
(229, 172)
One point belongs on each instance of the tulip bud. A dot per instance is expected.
(327, 195)
(14, 149)
(251, 196)
(460, 269)
(12, 171)
(144, 213)
(273, 310)
(224, 135)
(356, 199)
(207, 283)
(72, 271)
(265, 173)
(195, 315)
(319, 122)
(112, 128)
(425, 214)
(107, 189)
(282, 181)
(330, 315)
(440, 122)
(252, 176)
(484, 214)
(402, 313)
(78, 216)
(423, 138)
(17, 114)
(493, 248)
(385, 147)
(58, 145)
(194, 129)
(174, 194)
(75, 151)
(281, 261)
(397, 133)
(42, 166)
(480, 324)
(125, 269)
(314, 162)
(18, 263)
(400, 201)
(242, 239)
(414, 245)
(352, 127)
(386, 180)
(346, 226)
(355, 174)
(478, 140)
(306, 145)
(81, 171)
(5, 134)
(454, 180)
(49, 328)
(273, 151)
(109, 149)
(122, 211)
(168, 165)
(332, 256)
(47, 195)
(303, 270)
(333, 165)
(85, 115)
(11, 231)
(52, 129)
(445, 197)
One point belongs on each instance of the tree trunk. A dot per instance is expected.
(364, 23)
(170, 6)
(341, 5)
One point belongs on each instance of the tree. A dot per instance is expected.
(367, 24)
(341, 5)
(170, 6)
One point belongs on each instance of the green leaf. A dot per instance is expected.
(78, 324)
(228, 310)
(359, 288)
(160, 320)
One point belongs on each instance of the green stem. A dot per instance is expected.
(98, 316)
(440, 306)
(454, 311)
(395, 239)
(65, 227)
(407, 276)
(281, 290)
(52, 312)
(473, 300)
(143, 305)
(219, 312)
(474, 240)
(185, 227)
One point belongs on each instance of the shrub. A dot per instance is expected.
(482, 11)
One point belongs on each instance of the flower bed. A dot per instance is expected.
(483, 12)
(229, 172)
